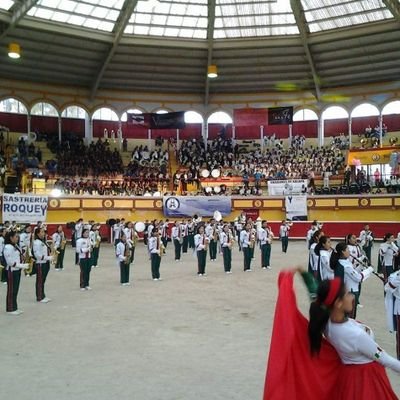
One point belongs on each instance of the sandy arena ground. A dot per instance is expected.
(182, 338)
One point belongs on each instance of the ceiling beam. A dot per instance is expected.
(394, 8)
(19, 13)
(119, 28)
(301, 22)
(210, 42)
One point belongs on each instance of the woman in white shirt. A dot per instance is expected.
(201, 242)
(324, 251)
(387, 251)
(123, 254)
(83, 250)
(14, 264)
(364, 376)
(312, 257)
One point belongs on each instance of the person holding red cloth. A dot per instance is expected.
(329, 357)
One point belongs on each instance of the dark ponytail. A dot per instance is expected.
(337, 255)
(347, 238)
(9, 235)
(322, 240)
(314, 237)
(319, 315)
(387, 236)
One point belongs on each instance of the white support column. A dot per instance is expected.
(320, 132)
(59, 129)
(350, 132)
(233, 135)
(88, 129)
(380, 129)
(177, 140)
(290, 134)
(149, 138)
(204, 133)
(262, 137)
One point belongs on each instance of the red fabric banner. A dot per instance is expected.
(250, 117)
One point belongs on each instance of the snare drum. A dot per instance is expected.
(208, 189)
(217, 189)
(205, 173)
(215, 173)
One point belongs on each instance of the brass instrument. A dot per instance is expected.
(230, 240)
(27, 258)
(252, 240)
(161, 247)
(127, 254)
(393, 140)
(63, 242)
(98, 241)
(366, 264)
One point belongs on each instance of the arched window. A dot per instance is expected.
(193, 117)
(305, 115)
(74, 112)
(219, 117)
(105, 114)
(12, 105)
(124, 117)
(392, 108)
(365, 110)
(335, 112)
(44, 109)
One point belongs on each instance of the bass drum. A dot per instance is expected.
(208, 189)
(215, 173)
(217, 190)
(140, 227)
(205, 173)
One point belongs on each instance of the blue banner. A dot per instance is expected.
(203, 206)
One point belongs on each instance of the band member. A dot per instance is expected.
(201, 242)
(123, 254)
(387, 251)
(177, 239)
(191, 228)
(312, 257)
(245, 244)
(25, 244)
(131, 238)
(185, 236)
(155, 248)
(211, 231)
(314, 227)
(284, 235)
(366, 240)
(165, 233)
(324, 251)
(14, 264)
(83, 249)
(352, 277)
(95, 241)
(265, 236)
(238, 228)
(117, 230)
(2, 260)
(392, 306)
(41, 252)
(356, 253)
(226, 240)
(59, 243)
(77, 235)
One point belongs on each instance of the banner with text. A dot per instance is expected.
(203, 206)
(296, 207)
(24, 208)
(287, 187)
(280, 116)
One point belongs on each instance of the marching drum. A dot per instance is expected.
(217, 189)
(140, 227)
(157, 194)
(208, 189)
(205, 173)
(215, 173)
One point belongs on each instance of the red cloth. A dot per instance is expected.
(293, 374)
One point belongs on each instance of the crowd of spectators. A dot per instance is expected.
(97, 159)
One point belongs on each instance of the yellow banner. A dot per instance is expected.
(368, 157)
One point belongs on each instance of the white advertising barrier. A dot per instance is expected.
(24, 208)
(287, 187)
(296, 207)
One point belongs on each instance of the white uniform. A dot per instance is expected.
(83, 248)
(352, 276)
(386, 252)
(13, 258)
(356, 253)
(41, 252)
(56, 238)
(175, 233)
(120, 252)
(365, 238)
(78, 230)
(154, 245)
(200, 241)
(244, 238)
(355, 346)
(24, 240)
(313, 258)
(324, 264)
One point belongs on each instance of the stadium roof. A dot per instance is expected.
(166, 45)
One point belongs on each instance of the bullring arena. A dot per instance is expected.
(251, 120)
